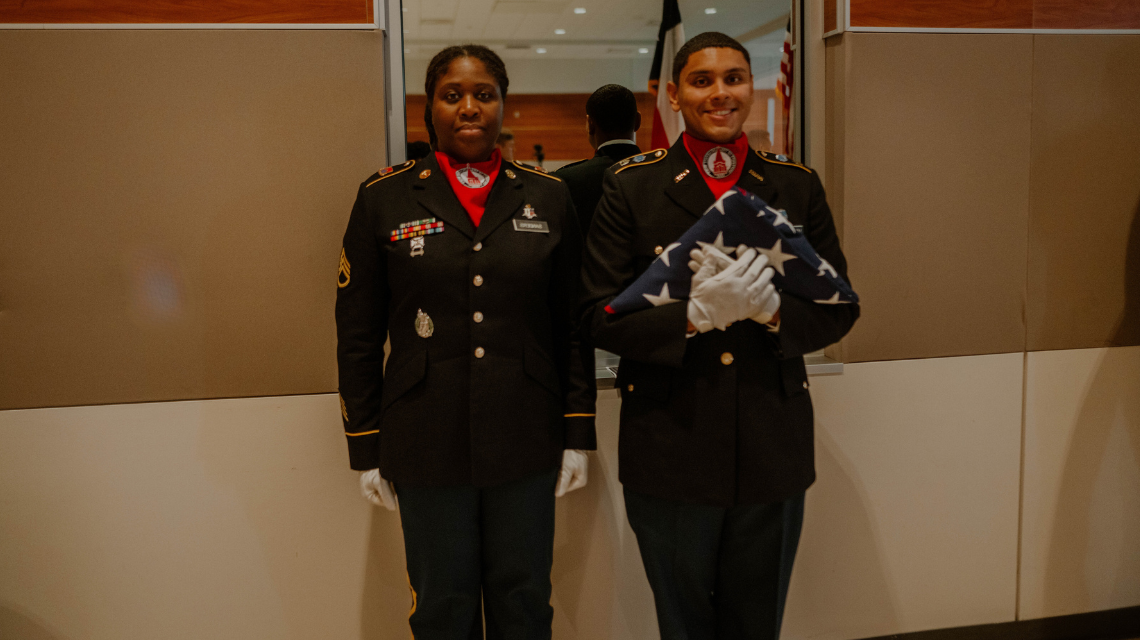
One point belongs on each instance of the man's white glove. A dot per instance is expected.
(734, 294)
(377, 490)
(575, 464)
(709, 262)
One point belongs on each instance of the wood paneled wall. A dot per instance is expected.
(558, 122)
(187, 12)
(996, 14)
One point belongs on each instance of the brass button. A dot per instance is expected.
(478, 316)
(478, 246)
(805, 384)
(658, 249)
(479, 352)
(478, 281)
(726, 358)
(629, 388)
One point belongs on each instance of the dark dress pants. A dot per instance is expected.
(717, 573)
(465, 545)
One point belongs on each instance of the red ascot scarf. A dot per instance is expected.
(720, 170)
(471, 182)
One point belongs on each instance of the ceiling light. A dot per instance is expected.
(643, 50)
(709, 11)
(540, 50)
(560, 32)
(579, 10)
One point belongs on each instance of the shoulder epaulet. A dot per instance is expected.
(780, 159)
(535, 170)
(641, 159)
(388, 172)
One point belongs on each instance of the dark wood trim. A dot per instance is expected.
(1113, 624)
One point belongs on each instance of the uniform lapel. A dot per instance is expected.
(434, 194)
(753, 179)
(506, 198)
(690, 192)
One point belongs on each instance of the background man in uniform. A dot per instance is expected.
(612, 120)
(716, 443)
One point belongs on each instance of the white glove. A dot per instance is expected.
(769, 302)
(710, 262)
(573, 474)
(377, 490)
(734, 294)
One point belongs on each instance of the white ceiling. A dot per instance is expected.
(615, 30)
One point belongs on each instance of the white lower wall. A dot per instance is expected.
(240, 519)
(1080, 547)
(912, 523)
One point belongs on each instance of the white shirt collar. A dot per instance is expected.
(606, 144)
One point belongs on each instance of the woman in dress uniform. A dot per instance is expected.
(469, 265)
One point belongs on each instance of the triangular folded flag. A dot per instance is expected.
(737, 218)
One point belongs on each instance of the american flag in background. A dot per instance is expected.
(667, 124)
(738, 217)
(784, 87)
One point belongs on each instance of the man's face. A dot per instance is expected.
(714, 94)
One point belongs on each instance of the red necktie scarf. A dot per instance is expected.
(720, 164)
(471, 182)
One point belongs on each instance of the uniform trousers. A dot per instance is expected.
(466, 546)
(717, 573)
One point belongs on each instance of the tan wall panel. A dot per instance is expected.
(912, 523)
(935, 192)
(173, 210)
(1084, 255)
(1080, 546)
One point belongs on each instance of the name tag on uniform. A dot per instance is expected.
(534, 226)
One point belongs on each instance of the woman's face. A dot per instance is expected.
(467, 111)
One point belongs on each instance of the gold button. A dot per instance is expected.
(479, 352)
(478, 281)
(805, 384)
(629, 388)
(658, 249)
(726, 358)
(478, 316)
(478, 246)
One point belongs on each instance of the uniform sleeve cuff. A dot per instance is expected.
(580, 433)
(363, 450)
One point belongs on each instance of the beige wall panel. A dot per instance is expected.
(1084, 232)
(935, 192)
(600, 588)
(231, 519)
(240, 519)
(174, 202)
(1080, 548)
(912, 523)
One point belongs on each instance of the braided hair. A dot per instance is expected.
(442, 60)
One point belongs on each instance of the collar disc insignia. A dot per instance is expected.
(719, 162)
(472, 178)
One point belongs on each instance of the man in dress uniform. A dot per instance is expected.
(716, 445)
(612, 121)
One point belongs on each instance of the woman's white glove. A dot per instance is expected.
(734, 294)
(575, 464)
(377, 490)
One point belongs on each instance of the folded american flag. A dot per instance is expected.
(737, 218)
